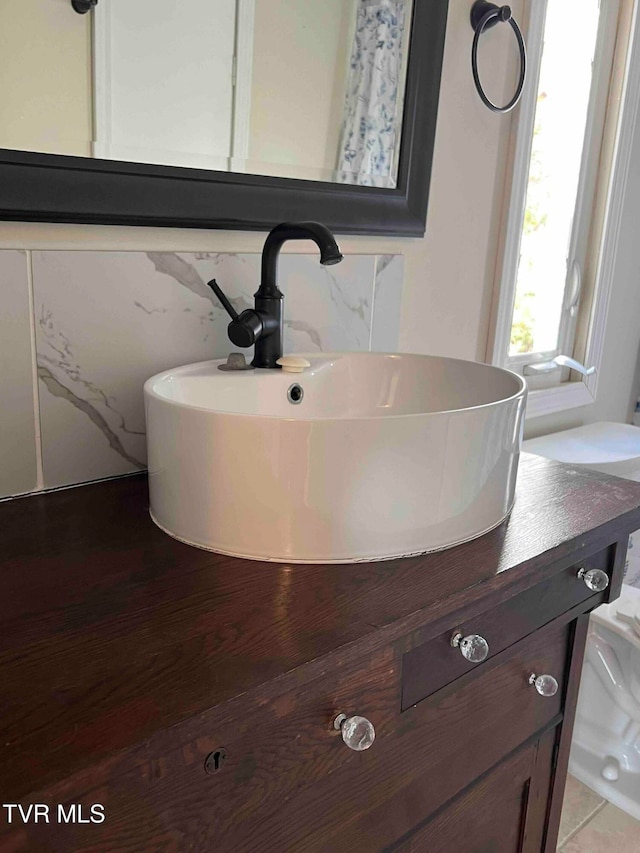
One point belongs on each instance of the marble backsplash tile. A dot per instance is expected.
(106, 321)
(387, 299)
(18, 465)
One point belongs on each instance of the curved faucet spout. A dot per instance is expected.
(321, 236)
(268, 298)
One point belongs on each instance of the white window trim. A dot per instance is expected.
(518, 194)
(568, 395)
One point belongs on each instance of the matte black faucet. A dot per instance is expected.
(264, 324)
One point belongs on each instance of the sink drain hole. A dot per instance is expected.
(295, 394)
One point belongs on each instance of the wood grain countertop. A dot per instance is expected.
(113, 631)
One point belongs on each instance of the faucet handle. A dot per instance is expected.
(228, 307)
(245, 330)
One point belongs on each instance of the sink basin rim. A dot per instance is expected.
(149, 389)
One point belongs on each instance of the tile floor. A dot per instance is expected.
(592, 825)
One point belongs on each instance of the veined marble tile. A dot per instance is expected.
(387, 303)
(327, 309)
(106, 321)
(18, 467)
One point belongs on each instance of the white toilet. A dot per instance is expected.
(605, 752)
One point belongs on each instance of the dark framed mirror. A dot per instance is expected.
(136, 186)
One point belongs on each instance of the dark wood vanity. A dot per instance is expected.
(193, 696)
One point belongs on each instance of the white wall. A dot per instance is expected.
(448, 274)
(296, 107)
(45, 99)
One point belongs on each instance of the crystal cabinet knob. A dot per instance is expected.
(474, 647)
(595, 579)
(357, 732)
(546, 685)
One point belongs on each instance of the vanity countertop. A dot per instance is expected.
(101, 610)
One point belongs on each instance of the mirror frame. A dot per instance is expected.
(59, 188)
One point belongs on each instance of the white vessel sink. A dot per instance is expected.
(384, 456)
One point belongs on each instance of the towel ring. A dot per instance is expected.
(485, 15)
(83, 6)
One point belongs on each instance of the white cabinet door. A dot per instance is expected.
(163, 81)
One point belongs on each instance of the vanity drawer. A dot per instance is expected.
(434, 664)
(424, 762)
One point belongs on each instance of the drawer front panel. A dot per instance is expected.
(436, 663)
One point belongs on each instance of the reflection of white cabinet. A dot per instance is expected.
(164, 81)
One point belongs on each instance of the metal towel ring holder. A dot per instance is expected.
(485, 15)
(83, 6)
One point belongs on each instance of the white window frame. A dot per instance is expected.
(570, 394)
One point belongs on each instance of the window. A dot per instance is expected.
(562, 166)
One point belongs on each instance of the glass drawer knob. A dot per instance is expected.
(474, 647)
(595, 579)
(357, 732)
(546, 685)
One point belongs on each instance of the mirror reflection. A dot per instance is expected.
(310, 90)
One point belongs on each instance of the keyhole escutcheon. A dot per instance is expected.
(215, 760)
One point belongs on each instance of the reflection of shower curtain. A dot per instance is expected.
(366, 153)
